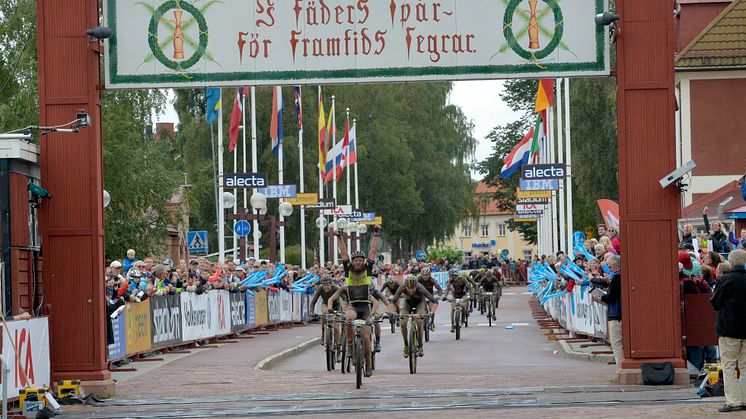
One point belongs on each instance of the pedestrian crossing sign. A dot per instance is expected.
(197, 242)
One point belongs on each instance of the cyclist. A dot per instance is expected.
(460, 286)
(490, 283)
(357, 285)
(325, 290)
(414, 295)
(430, 284)
(391, 285)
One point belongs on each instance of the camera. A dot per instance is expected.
(38, 192)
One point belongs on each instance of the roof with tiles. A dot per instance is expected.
(722, 44)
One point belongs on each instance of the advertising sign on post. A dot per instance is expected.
(221, 320)
(244, 180)
(304, 199)
(30, 360)
(539, 185)
(250, 310)
(278, 191)
(182, 43)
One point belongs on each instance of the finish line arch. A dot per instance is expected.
(69, 79)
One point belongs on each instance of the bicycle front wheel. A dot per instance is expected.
(412, 347)
(329, 346)
(359, 363)
(457, 319)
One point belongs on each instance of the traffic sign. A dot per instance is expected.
(242, 228)
(420, 255)
(197, 243)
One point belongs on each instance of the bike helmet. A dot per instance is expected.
(326, 280)
(357, 254)
(464, 274)
(453, 272)
(425, 271)
(391, 278)
(410, 281)
(134, 273)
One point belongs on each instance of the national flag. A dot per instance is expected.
(334, 156)
(275, 129)
(545, 95)
(322, 136)
(540, 135)
(236, 117)
(352, 158)
(298, 106)
(345, 148)
(212, 94)
(518, 156)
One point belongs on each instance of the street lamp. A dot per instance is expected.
(229, 200)
(342, 224)
(107, 198)
(321, 222)
(362, 229)
(259, 203)
(352, 227)
(285, 209)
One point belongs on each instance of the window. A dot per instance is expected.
(467, 230)
(527, 254)
(485, 230)
(501, 230)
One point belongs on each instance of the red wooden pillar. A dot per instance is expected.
(71, 169)
(646, 107)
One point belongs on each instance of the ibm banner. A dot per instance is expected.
(181, 43)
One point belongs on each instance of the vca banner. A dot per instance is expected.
(161, 43)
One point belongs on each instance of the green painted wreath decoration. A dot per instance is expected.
(153, 35)
(559, 25)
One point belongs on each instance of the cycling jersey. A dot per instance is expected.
(391, 286)
(429, 283)
(413, 296)
(459, 286)
(358, 285)
(324, 296)
(490, 283)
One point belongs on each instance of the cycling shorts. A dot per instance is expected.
(361, 309)
(407, 307)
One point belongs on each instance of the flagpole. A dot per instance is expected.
(221, 189)
(561, 159)
(235, 206)
(568, 160)
(214, 171)
(321, 192)
(346, 167)
(334, 173)
(357, 196)
(254, 165)
(553, 208)
(302, 184)
(243, 149)
(280, 170)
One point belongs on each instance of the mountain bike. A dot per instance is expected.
(414, 343)
(328, 339)
(358, 354)
(490, 305)
(459, 316)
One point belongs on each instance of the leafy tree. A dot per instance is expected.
(140, 173)
(18, 65)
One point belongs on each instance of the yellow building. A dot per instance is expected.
(489, 234)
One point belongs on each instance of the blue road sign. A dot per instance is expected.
(242, 228)
(197, 242)
(420, 255)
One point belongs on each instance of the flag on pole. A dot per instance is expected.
(334, 156)
(540, 135)
(322, 137)
(212, 94)
(352, 158)
(518, 156)
(236, 116)
(545, 95)
(298, 106)
(345, 149)
(275, 129)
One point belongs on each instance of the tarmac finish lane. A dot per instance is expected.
(491, 371)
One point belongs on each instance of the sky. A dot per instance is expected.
(479, 100)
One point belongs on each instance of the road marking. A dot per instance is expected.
(509, 293)
(527, 293)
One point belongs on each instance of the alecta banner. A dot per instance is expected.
(161, 43)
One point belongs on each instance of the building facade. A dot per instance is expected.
(488, 233)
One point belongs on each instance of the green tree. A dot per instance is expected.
(18, 65)
(140, 173)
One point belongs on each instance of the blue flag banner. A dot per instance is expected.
(212, 94)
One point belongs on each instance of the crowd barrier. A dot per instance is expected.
(577, 312)
(166, 321)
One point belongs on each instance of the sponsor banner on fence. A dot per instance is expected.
(238, 310)
(30, 360)
(137, 324)
(221, 320)
(286, 307)
(165, 317)
(261, 307)
(588, 317)
(296, 307)
(196, 316)
(304, 307)
(118, 349)
(250, 310)
(273, 307)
